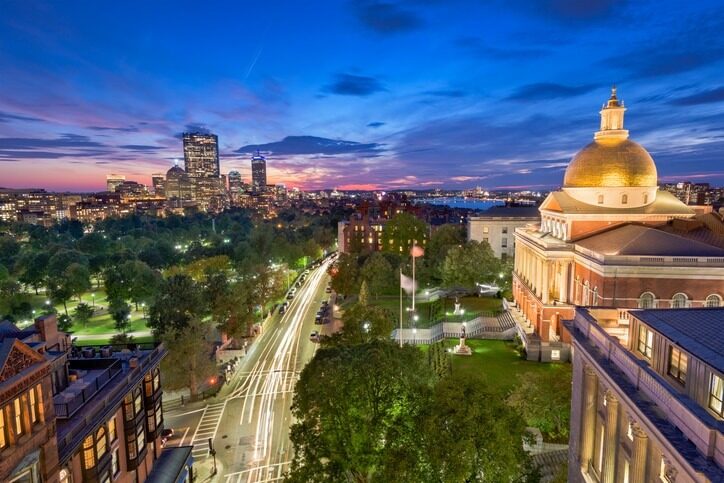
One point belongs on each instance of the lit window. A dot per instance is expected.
(677, 365)
(646, 342)
(137, 401)
(3, 437)
(115, 466)
(64, 476)
(112, 434)
(128, 406)
(555, 355)
(89, 460)
(101, 442)
(140, 438)
(716, 394)
(713, 300)
(148, 384)
(486, 230)
(18, 417)
(159, 414)
(629, 431)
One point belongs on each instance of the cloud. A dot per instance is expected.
(445, 93)
(140, 147)
(541, 91)
(7, 117)
(386, 17)
(572, 10)
(703, 97)
(307, 145)
(375, 124)
(116, 129)
(64, 141)
(353, 85)
(477, 47)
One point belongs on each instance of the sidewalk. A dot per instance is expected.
(204, 470)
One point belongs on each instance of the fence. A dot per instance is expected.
(484, 327)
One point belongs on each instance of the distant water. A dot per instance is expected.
(460, 202)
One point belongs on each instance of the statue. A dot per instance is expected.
(462, 349)
(458, 310)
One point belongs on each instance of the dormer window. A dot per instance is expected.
(600, 199)
(624, 199)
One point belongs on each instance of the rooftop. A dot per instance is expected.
(509, 212)
(696, 330)
(170, 465)
(664, 204)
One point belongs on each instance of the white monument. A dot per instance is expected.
(461, 349)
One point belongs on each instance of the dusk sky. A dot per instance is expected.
(356, 94)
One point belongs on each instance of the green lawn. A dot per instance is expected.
(146, 339)
(430, 313)
(104, 324)
(498, 363)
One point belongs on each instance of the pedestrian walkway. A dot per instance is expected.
(207, 428)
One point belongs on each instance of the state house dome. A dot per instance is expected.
(612, 170)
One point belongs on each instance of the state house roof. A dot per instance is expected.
(664, 204)
(642, 240)
(697, 331)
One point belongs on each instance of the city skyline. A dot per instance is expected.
(407, 95)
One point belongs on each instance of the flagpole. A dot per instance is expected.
(413, 278)
(400, 335)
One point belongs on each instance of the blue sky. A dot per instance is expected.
(376, 94)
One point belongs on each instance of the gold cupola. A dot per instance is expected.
(612, 170)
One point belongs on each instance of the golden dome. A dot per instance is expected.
(611, 163)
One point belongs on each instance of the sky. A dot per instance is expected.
(361, 94)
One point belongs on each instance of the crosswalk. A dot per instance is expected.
(207, 428)
(259, 474)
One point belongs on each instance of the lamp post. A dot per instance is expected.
(93, 296)
(212, 452)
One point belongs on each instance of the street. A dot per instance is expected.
(249, 420)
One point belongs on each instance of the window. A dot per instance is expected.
(151, 421)
(89, 459)
(624, 199)
(600, 199)
(713, 300)
(101, 444)
(504, 243)
(679, 301)
(716, 394)
(629, 431)
(505, 230)
(677, 365)
(128, 406)
(486, 230)
(159, 414)
(646, 301)
(137, 401)
(646, 342)
(3, 437)
(64, 476)
(115, 466)
(18, 417)
(140, 438)
(555, 355)
(646, 198)
(112, 434)
(34, 404)
(131, 447)
(148, 384)
(157, 373)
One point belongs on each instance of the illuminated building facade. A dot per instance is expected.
(605, 240)
(113, 181)
(69, 415)
(647, 399)
(496, 226)
(201, 155)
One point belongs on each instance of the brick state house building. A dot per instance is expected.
(610, 238)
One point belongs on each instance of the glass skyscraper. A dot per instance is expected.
(258, 172)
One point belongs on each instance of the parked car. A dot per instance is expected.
(166, 434)
(283, 308)
(314, 336)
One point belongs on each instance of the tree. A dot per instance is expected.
(471, 263)
(349, 404)
(441, 241)
(401, 231)
(189, 360)
(82, 313)
(32, 268)
(76, 279)
(121, 313)
(378, 274)
(364, 294)
(177, 303)
(543, 399)
(64, 323)
(345, 274)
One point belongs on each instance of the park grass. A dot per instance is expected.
(497, 363)
(425, 310)
(104, 324)
(145, 339)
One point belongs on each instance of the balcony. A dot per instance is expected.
(90, 379)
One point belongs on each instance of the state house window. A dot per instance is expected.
(646, 342)
(486, 230)
(504, 243)
(624, 199)
(646, 301)
(679, 301)
(716, 394)
(713, 300)
(677, 364)
(505, 230)
(3, 437)
(600, 199)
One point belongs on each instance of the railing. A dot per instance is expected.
(74, 436)
(65, 410)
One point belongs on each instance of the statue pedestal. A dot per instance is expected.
(461, 349)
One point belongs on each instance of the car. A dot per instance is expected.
(314, 336)
(328, 290)
(283, 308)
(290, 295)
(166, 434)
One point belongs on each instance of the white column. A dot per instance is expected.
(545, 274)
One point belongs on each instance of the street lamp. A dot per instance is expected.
(212, 452)
(93, 296)
(366, 326)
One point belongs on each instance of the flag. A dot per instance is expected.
(407, 284)
(417, 251)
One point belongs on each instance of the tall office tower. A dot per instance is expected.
(258, 172)
(157, 180)
(201, 155)
(113, 181)
(236, 186)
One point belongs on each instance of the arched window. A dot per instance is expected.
(101, 442)
(647, 300)
(679, 301)
(713, 300)
(600, 199)
(89, 458)
(624, 199)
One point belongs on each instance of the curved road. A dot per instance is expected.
(250, 420)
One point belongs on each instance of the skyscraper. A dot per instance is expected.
(201, 155)
(113, 180)
(258, 172)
